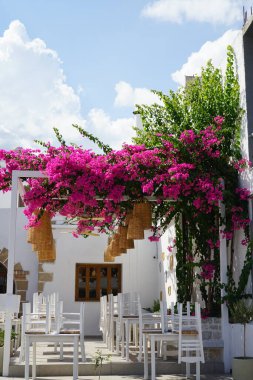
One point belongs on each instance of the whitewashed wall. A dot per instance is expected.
(167, 283)
(139, 272)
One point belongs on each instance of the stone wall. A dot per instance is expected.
(212, 339)
(20, 279)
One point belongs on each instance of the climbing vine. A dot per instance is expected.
(187, 157)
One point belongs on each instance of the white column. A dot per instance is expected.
(10, 273)
(223, 279)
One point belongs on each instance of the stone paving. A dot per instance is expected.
(161, 377)
(49, 367)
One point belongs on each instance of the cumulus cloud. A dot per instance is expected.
(214, 50)
(127, 96)
(215, 12)
(34, 95)
(112, 132)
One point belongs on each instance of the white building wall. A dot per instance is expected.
(139, 272)
(139, 265)
(167, 282)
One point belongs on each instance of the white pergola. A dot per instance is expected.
(18, 189)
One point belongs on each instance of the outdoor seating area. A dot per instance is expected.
(123, 320)
(53, 340)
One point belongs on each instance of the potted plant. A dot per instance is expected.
(242, 366)
(13, 336)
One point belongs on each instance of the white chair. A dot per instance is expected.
(190, 344)
(127, 307)
(112, 321)
(71, 323)
(31, 323)
(167, 333)
(103, 323)
(148, 323)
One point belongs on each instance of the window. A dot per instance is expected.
(96, 280)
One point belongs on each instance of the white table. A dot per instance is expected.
(34, 338)
(169, 337)
(128, 320)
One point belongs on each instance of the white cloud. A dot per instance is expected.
(127, 96)
(112, 132)
(34, 95)
(214, 50)
(215, 11)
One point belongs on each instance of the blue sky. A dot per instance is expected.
(95, 45)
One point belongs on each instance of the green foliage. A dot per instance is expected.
(234, 293)
(13, 336)
(59, 137)
(156, 306)
(194, 107)
(99, 359)
(242, 312)
(105, 148)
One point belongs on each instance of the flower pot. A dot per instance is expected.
(242, 368)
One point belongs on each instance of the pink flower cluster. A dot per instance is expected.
(79, 182)
(207, 271)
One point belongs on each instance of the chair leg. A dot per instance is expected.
(145, 349)
(61, 351)
(152, 344)
(198, 371)
(122, 334)
(22, 350)
(82, 348)
(140, 346)
(188, 370)
(135, 335)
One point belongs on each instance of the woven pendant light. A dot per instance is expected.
(47, 254)
(44, 229)
(130, 244)
(143, 210)
(135, 229)
(124, 242)
(107, 255)
(115, 251)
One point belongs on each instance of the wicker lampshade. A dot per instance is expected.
(143, 210)
(47, 254)
(41, 238)
(124, 242)
(115, 250)
(107, 255)
(44, 229)
(135, 229)
(130, 244)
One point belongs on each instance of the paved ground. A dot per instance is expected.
(162, 377)
(50, 368)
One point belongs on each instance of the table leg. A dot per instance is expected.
(152, 344)
(135, 334)
(140, 343)
(34, 361)
(122, 333)
(27, 343)
(127, 340)
(61, 350)
(75, 358)
(145, 349)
